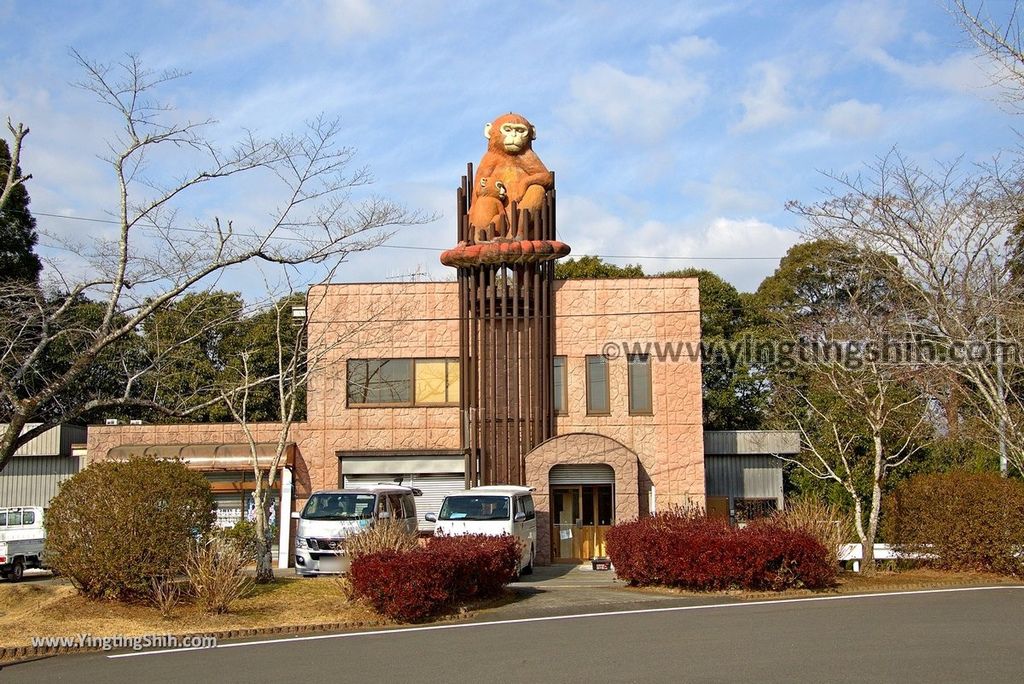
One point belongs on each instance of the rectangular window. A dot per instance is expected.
(380, 381)
(437, 381)
(640, 399)
(403, 382)
(752, 509)
(528, 507)
(598, 402)
(560, 389)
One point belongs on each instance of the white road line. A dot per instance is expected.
(578, 616)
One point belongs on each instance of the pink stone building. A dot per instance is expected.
(385, 402)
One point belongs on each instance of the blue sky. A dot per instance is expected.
(674, 129)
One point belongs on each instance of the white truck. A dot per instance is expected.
(22, 539)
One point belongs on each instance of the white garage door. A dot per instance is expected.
(435, 486)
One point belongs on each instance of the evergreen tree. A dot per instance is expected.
(17, 229)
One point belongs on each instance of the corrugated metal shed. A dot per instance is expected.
(34, 480)
(56, 441)
(735, 442)
(740, 464)
(33, 476)
(745, 477)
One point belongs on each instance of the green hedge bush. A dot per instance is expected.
(960, 521)
(117, 525)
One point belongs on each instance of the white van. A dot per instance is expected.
(492, 510)
(331, 516)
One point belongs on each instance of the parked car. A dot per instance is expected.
(492, 510)
(22, 540)
(331, 516)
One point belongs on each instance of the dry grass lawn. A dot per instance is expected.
(858, 583)
(30, 609)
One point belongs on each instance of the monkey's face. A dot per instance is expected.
(510, 133)
(495, 189)
(515, 137)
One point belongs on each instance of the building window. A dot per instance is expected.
(403, 382)
(597, 386)
(641, 402)
(560, 389)
(437, 381)
(752, 509)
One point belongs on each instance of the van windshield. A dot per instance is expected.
(475, 508)
(339, 507)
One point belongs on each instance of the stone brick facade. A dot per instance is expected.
(577, 449)
(420, 320)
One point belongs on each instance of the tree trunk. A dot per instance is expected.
(868, 540)
(264, 558)
(9, 441)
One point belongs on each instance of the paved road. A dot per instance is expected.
(946, 635)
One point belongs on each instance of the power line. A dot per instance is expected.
(431, 249)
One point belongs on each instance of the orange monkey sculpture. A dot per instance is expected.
(510, 171)
(487, 212)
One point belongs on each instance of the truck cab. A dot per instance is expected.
(22, 538)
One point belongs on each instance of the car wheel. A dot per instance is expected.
(17, 570)
(528, 570)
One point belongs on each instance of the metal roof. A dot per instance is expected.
(750, 442)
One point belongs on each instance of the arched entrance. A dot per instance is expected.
(584, 483)
(582, 510)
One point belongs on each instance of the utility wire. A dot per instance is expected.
(428, 249)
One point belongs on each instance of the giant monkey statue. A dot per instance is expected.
(510, 171)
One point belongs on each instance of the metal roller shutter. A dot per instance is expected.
(434, 486)
(576, 474)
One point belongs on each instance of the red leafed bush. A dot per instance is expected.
(416, 584)
(681, 549)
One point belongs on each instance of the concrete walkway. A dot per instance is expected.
(560, 589)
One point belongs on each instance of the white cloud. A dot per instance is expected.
(640, 106)
(353, 17)
(727, 193)
(684, 49)
(960, 73)
(868, 25)
(853, 119)
(629, 106)
(766, 100)
(589, 228)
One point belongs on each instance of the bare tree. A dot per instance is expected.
(305, 347)
(998, 42)
(11, 179)
(858, 403)
(947, 234)
(155, 255)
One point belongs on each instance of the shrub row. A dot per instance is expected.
(416, 584)
(960, 521)
(679, 549)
